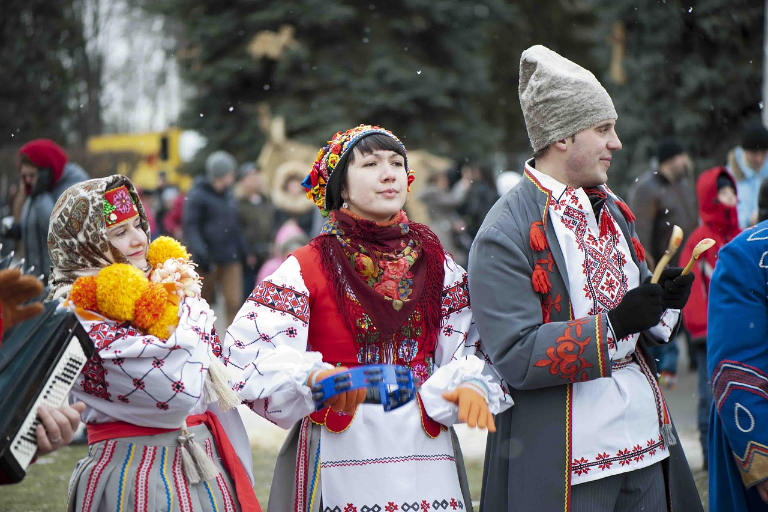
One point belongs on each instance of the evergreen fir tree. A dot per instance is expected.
(38, 89)
(416, 67)
(562, 26)
(694, 71)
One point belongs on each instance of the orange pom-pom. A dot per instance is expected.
(83, 293)
(537, 237)
(166, 324)
(540, 280)
(639, 249)
(148, 309)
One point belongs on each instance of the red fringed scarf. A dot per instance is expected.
(395, 271)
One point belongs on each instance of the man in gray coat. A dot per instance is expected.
(560, 294)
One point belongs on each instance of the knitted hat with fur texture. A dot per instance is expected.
(559, 98)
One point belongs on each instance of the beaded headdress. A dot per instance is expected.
(329, 156)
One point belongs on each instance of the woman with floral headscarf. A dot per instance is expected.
(372, 288)
(162, 428)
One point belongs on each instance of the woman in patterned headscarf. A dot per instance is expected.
(372, 288)
(156, 420)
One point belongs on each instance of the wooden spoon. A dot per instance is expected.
(702, 246)
(674, 245)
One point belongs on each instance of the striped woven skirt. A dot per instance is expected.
(145, 473)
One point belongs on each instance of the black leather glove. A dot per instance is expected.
(640, 309)
(675, 289)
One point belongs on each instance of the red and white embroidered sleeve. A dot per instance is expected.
(265, 348)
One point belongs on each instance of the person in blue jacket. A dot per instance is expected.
(737, 357)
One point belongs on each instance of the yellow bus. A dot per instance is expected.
(160, 152)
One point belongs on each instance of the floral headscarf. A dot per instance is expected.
(77, 234)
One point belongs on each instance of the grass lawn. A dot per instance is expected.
(45, 487)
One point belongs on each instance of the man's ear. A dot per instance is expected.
(560, 145)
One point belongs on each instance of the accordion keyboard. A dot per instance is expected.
(54, 394)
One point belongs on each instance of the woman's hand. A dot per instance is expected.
(343, 402)
(57, 426)
(473, 409)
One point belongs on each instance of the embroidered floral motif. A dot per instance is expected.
(420, 371)
(407, 350)
(624, 457)
(564, 359)
(548, 304)
(122, 201)
(391, 277)
(540, 280)
(538, 239)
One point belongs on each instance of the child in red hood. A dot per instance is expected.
(716, 190)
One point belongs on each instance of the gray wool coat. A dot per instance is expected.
(36, 217)
(527, 460)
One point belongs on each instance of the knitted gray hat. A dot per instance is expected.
(559, 98)
(218, 164)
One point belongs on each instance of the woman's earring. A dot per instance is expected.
(345, 205)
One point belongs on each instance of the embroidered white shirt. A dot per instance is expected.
(615, 421)
(380, 461)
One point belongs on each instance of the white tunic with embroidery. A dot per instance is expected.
(146, 381)
(615, 419)
(383, 460)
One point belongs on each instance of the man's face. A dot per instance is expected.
(755, 158)
(29, 174)
(589, 154)
(678, 165)
(252, 182)
(222, 183)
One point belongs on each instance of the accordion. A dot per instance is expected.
(39, 362)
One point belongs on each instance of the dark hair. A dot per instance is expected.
(24, 160)
(367, 145)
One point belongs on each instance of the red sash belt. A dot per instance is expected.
(229, 459)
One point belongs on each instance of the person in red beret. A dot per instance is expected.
(45, 174)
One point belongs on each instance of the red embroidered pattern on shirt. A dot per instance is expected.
(391, 506)
(388, 460)
(603, 261)
(559, 204)
(211, 339)
(564, 359)
(625, 457)
(95, 378)
(455, 298)
(282, 299)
